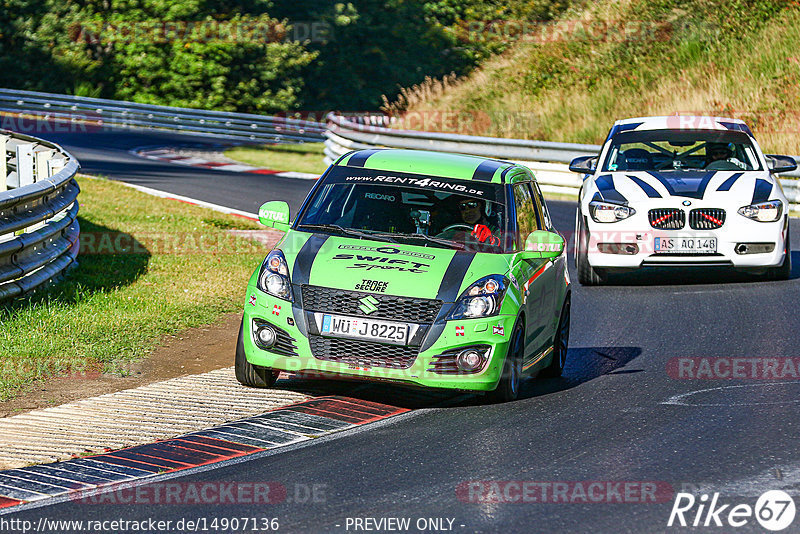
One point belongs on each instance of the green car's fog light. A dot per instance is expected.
(470, 360)
(265, 336)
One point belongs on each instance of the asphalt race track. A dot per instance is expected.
(619, 415)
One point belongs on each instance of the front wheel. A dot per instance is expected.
(784, 270)
(508, 386)
(248, 374)
(560, 344)
(587, 275)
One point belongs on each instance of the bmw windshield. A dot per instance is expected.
(678, 150)
(405, 208)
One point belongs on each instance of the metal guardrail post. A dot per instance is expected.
(25, 165)
(3, 164)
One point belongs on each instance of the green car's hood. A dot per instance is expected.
(388, 268)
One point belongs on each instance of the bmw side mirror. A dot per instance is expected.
(583, 164)
(781, 163)
(274, 214)
(542, 244)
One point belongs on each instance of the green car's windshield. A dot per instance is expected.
(681, 150)
(413, 215)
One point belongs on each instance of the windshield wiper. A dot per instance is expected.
(341, 229)
(437, 240)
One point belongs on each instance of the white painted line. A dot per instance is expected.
(201, 203)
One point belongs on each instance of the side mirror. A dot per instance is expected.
(583, 164)
(781, 163)
(542, 244)
(274, 214)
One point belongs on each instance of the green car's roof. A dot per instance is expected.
(459, 166)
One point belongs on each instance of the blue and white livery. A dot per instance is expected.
(681, 191)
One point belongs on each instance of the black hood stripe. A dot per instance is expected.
(762, 191)
(727, 184)
(695, 189)
(360, 158)
(301, 273)
(647, 188)
(605, 184)
(448, 292)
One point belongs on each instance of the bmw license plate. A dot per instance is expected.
(367, 329)
(686, 245)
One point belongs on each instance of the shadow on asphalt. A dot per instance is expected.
(659, 276)
(583, 364)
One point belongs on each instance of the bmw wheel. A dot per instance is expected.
(587, 275)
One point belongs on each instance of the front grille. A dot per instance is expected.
(706, 218)
(362, 353)
(667, 218)
(325, 299)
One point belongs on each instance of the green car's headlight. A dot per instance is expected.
(274, 276)
(481, 299)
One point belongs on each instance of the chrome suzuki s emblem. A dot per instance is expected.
(368, 304)
(687, 202)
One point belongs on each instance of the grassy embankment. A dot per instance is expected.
(182, 268)
(306, 157)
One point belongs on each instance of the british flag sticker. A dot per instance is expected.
(498, 331)
(252, 300)
(459, 330)
(276, 310)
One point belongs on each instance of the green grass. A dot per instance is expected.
(736, 58)
(306, 157)
(185, 270)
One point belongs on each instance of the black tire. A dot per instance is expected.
(560, 344)
(508, 387)
(784, 270)
(587, 275)
(248, 374)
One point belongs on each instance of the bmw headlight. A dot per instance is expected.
(481, 299)
(763, 212)
(273, 278)
(605, 212)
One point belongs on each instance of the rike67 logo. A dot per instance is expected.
(774, 510)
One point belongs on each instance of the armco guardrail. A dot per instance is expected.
(547, 159)
(119, 114)
(39, 229)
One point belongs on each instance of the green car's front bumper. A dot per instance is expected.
(494, 332)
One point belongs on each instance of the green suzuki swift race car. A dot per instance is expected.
(420, 268)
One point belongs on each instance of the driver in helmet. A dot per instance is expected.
(724, 153)
(473, 214)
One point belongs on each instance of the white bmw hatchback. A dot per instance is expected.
(681, 191)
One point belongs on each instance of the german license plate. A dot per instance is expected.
(686, 245)
(368, 329)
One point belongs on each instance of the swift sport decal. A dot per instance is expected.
(363, 261)
(389, 250)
